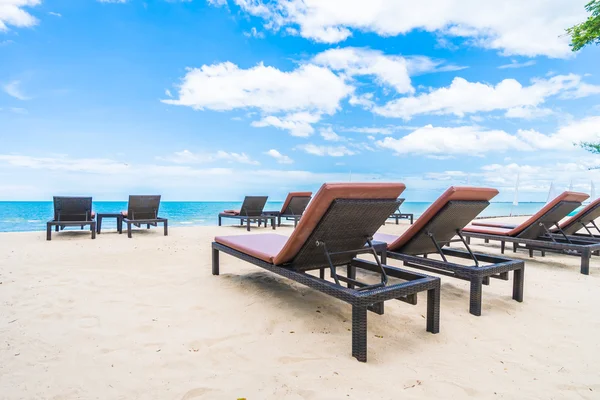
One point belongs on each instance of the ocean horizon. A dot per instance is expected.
(26, 216)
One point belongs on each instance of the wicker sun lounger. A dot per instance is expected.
(143, 210)
(437, 227)
(333, 231)
(581, 226)
(293, 207)
(71, 211)
(536, 234)
(251, 211)
(398, 215)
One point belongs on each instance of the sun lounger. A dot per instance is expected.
(143, 210)
(399, 215)
(251, 211)
(437, 227)
(535, 233)
(71, 211)
(336, 225)
(293, 207)
(581, 226)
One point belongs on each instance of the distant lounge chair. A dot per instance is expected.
(251, 211)
(437, 227)
(398, 215)
(293, 207)
(584, 219)
(535, 233)
(334, 229)
(71, 211)
(143, 210)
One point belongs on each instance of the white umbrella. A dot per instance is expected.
(550, 197)
(516, 199)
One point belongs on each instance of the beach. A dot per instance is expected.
(144, 318)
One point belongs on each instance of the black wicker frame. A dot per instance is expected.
(251, 212)
(71, 211)
(441, 231)
(537, 236)
(398, 215)
(335, 242)
(293, 211)
(143, 210)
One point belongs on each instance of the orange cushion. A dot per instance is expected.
(452, 193)
(232, 212)
(291, 195)
(279, 249)
(264, 246)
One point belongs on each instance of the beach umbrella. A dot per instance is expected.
(516, 198)
(550, 197)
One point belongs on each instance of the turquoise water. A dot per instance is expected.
(19, 216)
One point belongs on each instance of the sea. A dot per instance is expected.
(23, 216)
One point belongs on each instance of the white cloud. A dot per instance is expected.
(468, 140)
(332, 151)
(329, 135)
(13, 89)
(254, 33)
(55, 14)
(369, 130)
(113, 1)
(280, 158)
(528, 112)
(188, 157)
(12, 13)
(528, 28)
(464, 97)
(298, 124)
(476, 141)
(389, 70)
(225, 86)
(516, 64)
(168, 93)
(565, 138)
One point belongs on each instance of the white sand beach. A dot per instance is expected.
(143, 318)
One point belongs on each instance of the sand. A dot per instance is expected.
(144, 318)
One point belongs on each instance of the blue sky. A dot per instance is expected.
(211, 100)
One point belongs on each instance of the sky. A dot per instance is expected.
(217, 99)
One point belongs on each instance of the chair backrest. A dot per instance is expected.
(67, 208)
(143, 207)
(296, 203)
(451, 212)
(400, 201)
(253, 205)
(589, 213)
(550, 214)
(342, 215)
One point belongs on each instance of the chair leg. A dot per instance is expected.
(93, 229)
(48, 231)
(351, 272)
(129, 230)
(585, 262)
(272, 223)
(56, 228)
(530, 253)
(433, 310)
(475, 296)
(248, 224)
(219, 220)
(166, 227)
(468, 240)
(215, 262)
(486, 240)
(502, 246)
(518, 284)
(359, 333)
(515, 247)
